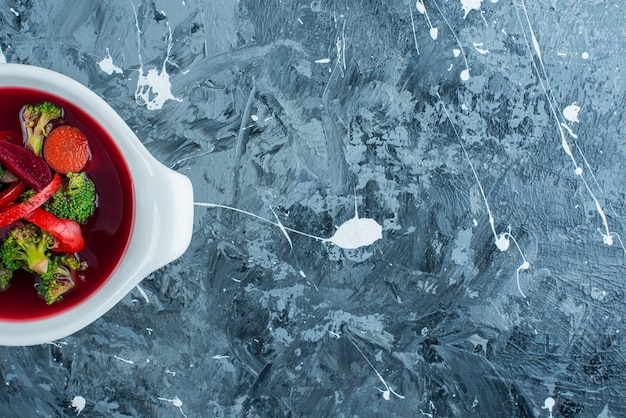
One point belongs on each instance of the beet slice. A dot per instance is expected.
(31, 169)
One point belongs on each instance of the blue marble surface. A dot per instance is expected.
(487, 138)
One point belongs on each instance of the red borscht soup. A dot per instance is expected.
(106, 233)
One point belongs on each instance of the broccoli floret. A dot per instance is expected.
(37, 119)
(5, 276)
(75, 200)
(28, 247)
(60, 277)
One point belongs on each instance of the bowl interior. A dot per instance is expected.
(107, 233)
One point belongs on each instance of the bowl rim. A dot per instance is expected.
(143, 254)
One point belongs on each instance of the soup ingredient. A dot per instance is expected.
(66, 149)
(25, 165)
(44, 199)
(17, 211)
(6, 271)
(11, 193)
(60, 277)
(67, 233)
(37, 123)
(75, 199)
(27, 247)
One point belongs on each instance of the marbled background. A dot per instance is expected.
(294, 110)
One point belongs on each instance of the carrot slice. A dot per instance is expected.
(66, 149)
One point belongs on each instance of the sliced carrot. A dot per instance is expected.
(66, 149)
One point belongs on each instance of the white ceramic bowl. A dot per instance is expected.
(163, 217)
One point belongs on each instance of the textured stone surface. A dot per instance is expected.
(294, 111)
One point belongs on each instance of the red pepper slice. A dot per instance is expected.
(11, 193)
(19, 210)
(67, 232)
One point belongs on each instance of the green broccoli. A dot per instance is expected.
(75, 200)
(37, 119)
(28, 247)
(60, 277)
(5, 276)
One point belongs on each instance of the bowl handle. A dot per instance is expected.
(175, 210)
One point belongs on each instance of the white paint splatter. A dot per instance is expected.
(357, 232)
(3, 59)
(469, 5)
(549, 404)
(571, 112)
(154, 88)
(434, 31)
(15, 12)
(585, 55)
(78, 403)
(465, 74)
(106, 65)
(417, 49)
(322, 61)
(456, 52)
(479, 49)
(502, 240)
(569, 130)
(388, 390)
(176, 402)
(123, 360)
(143, 294)
(340, 44)
(354, 233)
(607, 236)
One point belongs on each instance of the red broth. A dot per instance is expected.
(107, 233)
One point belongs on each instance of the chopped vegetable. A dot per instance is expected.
(24, 164)
(17, 211)
(75, 200)
(66, 149)
(36, 122)
(6, 274)
(67, 233)
(27, 247)
(46, 197)
(11, 193)
(60, 277)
